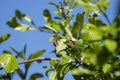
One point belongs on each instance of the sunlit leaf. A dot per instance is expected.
(48, 69)
(24, 28)
(106, 68)
(81, 71)
(64, 59)
(90, 58)
(28, 18)
(61, 45)
(50, 28)
(53, 75)
(91, 33)
(8, 62)
(111, 45)
(53, 62)
(4, 38)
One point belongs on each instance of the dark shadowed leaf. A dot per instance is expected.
(36, 76)
(47, 15)
(20, 54)
(13, 22)
(20, 73)
(18, 14)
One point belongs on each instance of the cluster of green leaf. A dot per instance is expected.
(16, 22)
(9, 62)
(88, 50)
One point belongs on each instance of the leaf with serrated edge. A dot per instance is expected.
(8, 62)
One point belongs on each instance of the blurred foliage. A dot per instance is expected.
(89, 50)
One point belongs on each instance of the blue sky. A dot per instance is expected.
(35, 40)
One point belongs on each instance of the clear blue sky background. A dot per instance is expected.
(35, 40)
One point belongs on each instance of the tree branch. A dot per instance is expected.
(36, 59)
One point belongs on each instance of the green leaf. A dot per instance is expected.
(35, 76)
(48, 69)
(106, 68)
(18, 14)
(8, 62)
(61, 45)
(55, 25)
(36, 54)
(50, 28)
(64, 59)
(88, 6)
(33, 56)
(75, 5)
(111, 45)
(79, 17)
(20, 73)
(4, 38)
(28, 18)
(47, 15)
(76, 29)
(90, 58)
(53, 4)
(69, 34)
(79, 42)
(24, 28)
(13, 22)
(71, 2)
(103, 4)
(116, 21)
(53, 75)
(81, 71)
(62, 70)
(91, 33)
(95, 21)
(66, 22)
(53, 62)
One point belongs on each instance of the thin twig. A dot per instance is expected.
(105, 15)
(37, 59)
